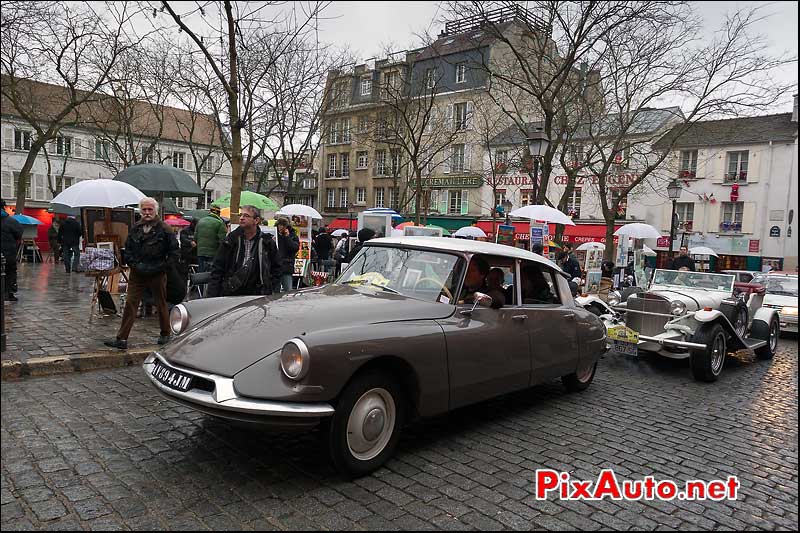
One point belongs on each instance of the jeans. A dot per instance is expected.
(204, 263)
(72, 257)
(286, 282)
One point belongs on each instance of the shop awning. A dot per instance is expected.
(449, 223)
(578, 234)
(344, 223)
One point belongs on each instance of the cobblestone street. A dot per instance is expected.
(102, 450)
(51, 317)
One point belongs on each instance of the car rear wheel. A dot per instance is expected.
(770, 333)
(580, 379)
(366, 426)
(707, 363)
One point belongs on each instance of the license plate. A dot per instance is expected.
(625, 348)
(171, 378)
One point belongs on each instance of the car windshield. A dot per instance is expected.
(694, 280)
(420, 274)
(783, 285)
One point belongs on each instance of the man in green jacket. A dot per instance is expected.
(209, 234)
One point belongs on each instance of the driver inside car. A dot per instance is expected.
(475, 281)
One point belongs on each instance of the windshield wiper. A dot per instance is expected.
(367, 282)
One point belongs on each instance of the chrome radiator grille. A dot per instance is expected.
(647, 324)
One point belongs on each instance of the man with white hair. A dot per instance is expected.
(149, 250)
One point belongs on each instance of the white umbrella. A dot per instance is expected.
(299, 210)
(99, 193)
(542, 212)
(340, 233)
(469, 231)
(648, 251)
(638, 230)
(591, 246)
(702, 250)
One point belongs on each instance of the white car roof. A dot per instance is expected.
(465, 245)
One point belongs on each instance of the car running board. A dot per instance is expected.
(754, 344)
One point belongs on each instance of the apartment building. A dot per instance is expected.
(272, 178)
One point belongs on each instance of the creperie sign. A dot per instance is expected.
(613, 180)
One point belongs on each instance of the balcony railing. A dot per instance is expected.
(730, 227)
(687, 174)
(735, 177)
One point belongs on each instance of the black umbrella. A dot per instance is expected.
(163, 181)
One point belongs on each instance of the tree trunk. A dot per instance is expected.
(25, 173)
(608, 255)
(236, 125)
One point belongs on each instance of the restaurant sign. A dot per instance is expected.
(448, 182)
(613, 180)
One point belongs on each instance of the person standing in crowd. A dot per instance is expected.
(209, 234)
(149, 250)
(537, 248)
(248, 262)
(188, 245)
(683, 260)
(52, 240)
(69, 237)
(569, 265)
(288, 245)
(11, 234)
(324, 244)
(364, 235)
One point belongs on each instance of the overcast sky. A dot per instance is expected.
(367, 26)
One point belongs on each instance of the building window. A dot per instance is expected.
(63, 145)
(576, 155)
(28, 189)
(363, 160)
(331, 197)
(309, 183)
(366, 86)
(343, 197)
(331, 165)
(102, 150)
(396, 161)
(379, 197)
(345, 164)
(22, 140)
(461, 73)
(363, 124)
(208, 164)
(361, 195)
(209, 198)
(460, 116)
(390, 83)
(688, 164)
(178, 159)
(499, 197)
(737, 167)
(380, 162)
(63, 182)
(622, 210)
(574, 203)
(457, 158)
(526, 197)
(394, 197)
(685, 212)
(340, 94)
(344, 127)
(732, 213)
(430, 78)
(455, 203)
(148, 155)
(623, 157)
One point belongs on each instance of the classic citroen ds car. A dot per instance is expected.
(406, 331)
(781, 295)
(696, 316)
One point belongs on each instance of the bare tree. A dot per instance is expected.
(70, 45)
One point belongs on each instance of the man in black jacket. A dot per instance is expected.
(69, 237)
(288, 244)
(364, 234)
(683, 260)
(150, 250)
(569, 265)
(324, 244)
(11, 233)
(247, 262)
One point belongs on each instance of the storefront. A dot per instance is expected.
(734, 253)
(576, 235)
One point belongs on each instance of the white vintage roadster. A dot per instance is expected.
(693, 315)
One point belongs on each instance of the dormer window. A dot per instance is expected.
(366, 86)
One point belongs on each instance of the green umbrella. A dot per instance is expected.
(164, 181)
(258, 201)
(444, 231)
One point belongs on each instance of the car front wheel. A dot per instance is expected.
(580, 379)
(366, 425)
(770, 333)
(707, 363)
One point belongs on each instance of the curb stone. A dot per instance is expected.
(65, 364)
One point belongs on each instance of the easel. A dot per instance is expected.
(35, 247)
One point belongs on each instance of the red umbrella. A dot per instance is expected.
(178, 222)
(403, 225)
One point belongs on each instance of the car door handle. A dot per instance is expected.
(519, 317)
(569, 315)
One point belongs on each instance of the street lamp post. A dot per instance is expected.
(674, 192)
(538, 142)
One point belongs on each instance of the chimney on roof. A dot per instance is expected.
(794, 109)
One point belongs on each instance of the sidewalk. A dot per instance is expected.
(48, 329)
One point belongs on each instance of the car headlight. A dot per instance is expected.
(614, 298)
(178, 319)
(295, 360)
(789, 311)
(677, 307)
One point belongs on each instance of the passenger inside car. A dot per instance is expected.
(535, 289)
(494, 287)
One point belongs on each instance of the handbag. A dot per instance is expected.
(231, 284)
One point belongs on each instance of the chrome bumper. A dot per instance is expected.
(225, 400)
(644, 339)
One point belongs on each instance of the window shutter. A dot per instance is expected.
(451, 123)
(714, 212)
(448, 152)
(8, 183)
(666, 212)
(39, 187)
(76, 147)
(8, 140)
(749, 217)
(464, 202)
(444, 201)
(470, 109)
(467, 156)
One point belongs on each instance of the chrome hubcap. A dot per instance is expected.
(773, 336)
(717, 354)
(583, 374)
(371, 424)
(741, 323)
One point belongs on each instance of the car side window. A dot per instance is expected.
(538, 284)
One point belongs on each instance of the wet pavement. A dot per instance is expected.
(51, 317)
